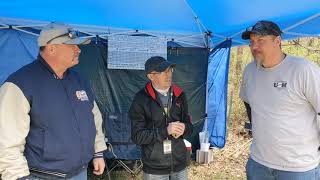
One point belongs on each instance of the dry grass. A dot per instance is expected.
(229, 163)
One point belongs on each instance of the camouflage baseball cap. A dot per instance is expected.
(262, 28)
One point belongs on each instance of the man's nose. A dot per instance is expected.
(77, 49)
(254, 46)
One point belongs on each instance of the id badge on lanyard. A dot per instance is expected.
(167, 146)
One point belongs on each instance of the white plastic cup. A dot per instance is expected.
(201, 137)
(204, 146)
(204, 137)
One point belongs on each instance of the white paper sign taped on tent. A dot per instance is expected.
(131, 52)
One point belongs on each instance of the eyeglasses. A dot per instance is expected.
(167, 71)
(71, 34)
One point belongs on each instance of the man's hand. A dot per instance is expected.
(176, 129)
(98, 166)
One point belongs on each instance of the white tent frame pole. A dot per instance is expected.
(26, 26)
(25, 31)
(97, 28)
(190, 36)
(176, 39)
(302, 22)
(233, 40)
(102, 29)
(191, 44)
(205, 42)
(203, 37)
(195, 15)
(199, 23)
(235, 34)
(183, 36)
(38, 25)
(220, 36)
(301, 34)
(118, 33)
(148, 33)
(157, 33)
(285, 31)
(93, 35)
(5, 25)
(88, 33)
(145, 32)
(223, 37)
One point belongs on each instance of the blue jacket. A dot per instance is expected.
(62, 129)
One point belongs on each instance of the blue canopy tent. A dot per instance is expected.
(191, 23)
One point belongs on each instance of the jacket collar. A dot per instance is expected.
(151, 91)
(48, 67)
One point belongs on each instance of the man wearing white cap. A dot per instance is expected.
(50, 125)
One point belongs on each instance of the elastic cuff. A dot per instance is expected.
(163, 133)
(98, 155)
(25, 177)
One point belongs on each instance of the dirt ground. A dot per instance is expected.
(229, 163)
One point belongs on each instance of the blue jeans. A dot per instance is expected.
(81, 176)
(256, 171)
(181, 175)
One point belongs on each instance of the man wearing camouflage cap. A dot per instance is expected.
(282, 98)
(50, 125)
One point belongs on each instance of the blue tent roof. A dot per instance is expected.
(225, 19)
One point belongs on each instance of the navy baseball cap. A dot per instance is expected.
(158, 64)
(262, 28)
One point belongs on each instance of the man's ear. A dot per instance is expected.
(150, 77)
(51, 49)
(278, 40)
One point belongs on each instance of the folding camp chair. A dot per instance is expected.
(122, 151)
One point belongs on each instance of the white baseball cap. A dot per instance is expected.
(57, 33)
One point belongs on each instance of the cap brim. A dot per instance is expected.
(78, 41)
(246, 35)
(164, 65)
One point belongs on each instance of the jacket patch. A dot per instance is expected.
(82, 95)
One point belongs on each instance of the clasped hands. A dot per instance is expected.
(176, 129)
